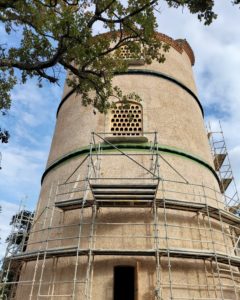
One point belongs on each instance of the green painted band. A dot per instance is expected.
(132, 146)
(148, 73)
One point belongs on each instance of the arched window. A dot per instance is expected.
(127, 120)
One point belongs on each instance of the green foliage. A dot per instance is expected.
(4, 136)
(203, 8)
(57, 34)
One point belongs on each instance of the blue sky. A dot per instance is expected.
(31, 120)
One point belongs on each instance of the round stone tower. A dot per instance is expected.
(130, 206)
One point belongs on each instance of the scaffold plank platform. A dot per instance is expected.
(215, 213)
(218, 160)
(124, 192)
(225, 182)
(73, 204)
(173, 253)
(118, 192)
(124, 186)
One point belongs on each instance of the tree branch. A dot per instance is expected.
(38, 65)
(98, 12)
(7, 4)
(121, 20)
(51, 79)
(118, 45)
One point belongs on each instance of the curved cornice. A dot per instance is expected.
(179, 45)
(142, 146)
(147, 73)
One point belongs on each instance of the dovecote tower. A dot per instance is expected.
(130, 206)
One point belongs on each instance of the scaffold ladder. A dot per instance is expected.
(223, 167)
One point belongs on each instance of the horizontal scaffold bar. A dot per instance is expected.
(126, 147)
(173, 253)
(124, 186)
(215, 213)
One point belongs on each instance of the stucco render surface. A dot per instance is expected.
(176, 116)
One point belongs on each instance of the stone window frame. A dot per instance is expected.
(127, 121)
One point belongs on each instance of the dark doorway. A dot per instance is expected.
(124, 283)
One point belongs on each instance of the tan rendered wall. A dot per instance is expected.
(159, 97)
(176, 116)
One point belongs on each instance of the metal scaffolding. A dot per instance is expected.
(17, 243)
(223, 166)
(210, 238)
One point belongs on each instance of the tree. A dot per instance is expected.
(4, 136)
(61, 34)
(17, 240)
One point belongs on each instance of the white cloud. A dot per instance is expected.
(30, 122)
(32, 117)
(217, 69)
(22, 164)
